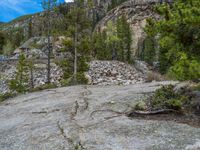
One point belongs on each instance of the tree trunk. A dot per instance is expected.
(49, 61)
(49, 48)
(31, 74)
(75, 56)
(75, 47)
(113, 52)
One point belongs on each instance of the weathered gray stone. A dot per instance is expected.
(88, 117)
(137, 12)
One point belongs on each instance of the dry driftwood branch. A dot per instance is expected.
(162, 111)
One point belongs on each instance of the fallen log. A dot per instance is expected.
(145, 113)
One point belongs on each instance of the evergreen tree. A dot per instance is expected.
(100, 50)
(79, 30)
(30, 29)
(112, 40)
(30, 64)
(114, 43)
(148, 53)
(115, 3)
(178, 38)
(20, 83)
(124, 34)
(48, 6)
(2, 42)
(78, 42)
(16, 37)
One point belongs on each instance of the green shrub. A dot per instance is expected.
(167, 98)
(6, 96)
(186, 69)
(81, 79)
(67, 82)
(43, 87)
(141, 105)
(174, 104)
(16, 85)
(83, 65)
(67, 68)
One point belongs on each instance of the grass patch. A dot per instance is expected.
(6, 96)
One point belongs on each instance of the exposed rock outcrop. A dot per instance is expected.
(90, 118)
(36, 47)
(136, 11)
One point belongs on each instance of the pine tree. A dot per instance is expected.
(20, 83)
(48, 6)
(30, 64)
(178, 35)
(114, 43)
(124, 34)
(79, 32)
(30, 29)
(100, 50)
(2, 42)
(112, 40)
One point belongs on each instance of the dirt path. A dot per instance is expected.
(88, 118)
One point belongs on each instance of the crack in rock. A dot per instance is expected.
(45, 112)
(73, 137)
(74, 110)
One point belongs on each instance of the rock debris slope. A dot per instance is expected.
(114, 73)
(39, 75)
(88, 118)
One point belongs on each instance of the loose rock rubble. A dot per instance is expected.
(39, 76)
(114, 73)
(100, 73)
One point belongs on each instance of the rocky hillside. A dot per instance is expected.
(137, 11)
(38, 24)
(99, 73)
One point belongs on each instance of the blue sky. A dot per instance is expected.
(11, 9)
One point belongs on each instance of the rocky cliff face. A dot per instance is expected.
(37, 20)
(137, 11)
(38, 24)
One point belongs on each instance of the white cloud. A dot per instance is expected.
(69, 1)
(12, 4)
(11, 9)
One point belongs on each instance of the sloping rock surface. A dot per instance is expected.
(88, 118)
